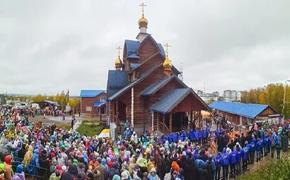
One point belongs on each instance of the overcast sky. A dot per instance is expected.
(50, 45)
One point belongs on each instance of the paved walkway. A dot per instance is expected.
(77, 124)
(49, 120)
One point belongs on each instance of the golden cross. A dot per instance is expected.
(167, 46)
(119, 50)
(142, 5)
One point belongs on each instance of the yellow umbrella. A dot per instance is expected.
(105, 133)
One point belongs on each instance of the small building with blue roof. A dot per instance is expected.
(242, 113)
(93, 102)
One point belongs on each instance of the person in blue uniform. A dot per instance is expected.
(191, 136)
(218, 165)
(267, 144)
(199, 137)
(204, 134)
(196, 135)
(182, 135)
(259, 149)
(252, 151)
(239, 159)
(225, 164)
(233, 162)
(211, 168)
(171, 138)
(245, 156)
(127, 134)
(277, 141)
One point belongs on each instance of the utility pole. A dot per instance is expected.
(284, 99)
(181, 72)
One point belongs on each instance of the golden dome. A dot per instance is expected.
(118, 62)
(167, 64)
(143, 22)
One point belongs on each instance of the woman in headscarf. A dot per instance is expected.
(151, 164)
(153, 175)
(8, 167)
(19, 175)
(2, 170)
(28, 156)
(142, 163)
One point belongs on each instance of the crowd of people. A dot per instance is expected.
(57, 154)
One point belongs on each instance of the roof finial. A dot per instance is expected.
(167, 46)
(142, 6)
(118, 61)
(167, 64)
(143, 22)
(119, 50)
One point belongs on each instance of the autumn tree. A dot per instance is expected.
(74, 102)
(272, 95)
(38, 98)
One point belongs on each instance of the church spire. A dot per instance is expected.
(143, 22)
(118, 61)
(167, 64)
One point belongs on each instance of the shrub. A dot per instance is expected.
(274, 170)
(90, 128)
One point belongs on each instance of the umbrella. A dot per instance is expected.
(105, 133)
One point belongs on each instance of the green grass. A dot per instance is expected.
(274, 170)
(89, 128)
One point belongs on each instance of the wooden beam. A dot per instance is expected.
(170, 122)
(157, 124)
(190, 125)
(109, 117)
(117, 111)
(152, 121)
(163, 125)
(188, 120)
(132, 107)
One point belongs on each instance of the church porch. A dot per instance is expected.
(178, 110)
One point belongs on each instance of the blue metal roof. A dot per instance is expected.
(156, 86)
(99, 104)
(170, 100)
(125, 88)
(133, 47)
(116, 81)
(134, 65)
(133, 56)
(90, 93)
(241, 109)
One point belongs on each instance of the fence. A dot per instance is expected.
(31, 172)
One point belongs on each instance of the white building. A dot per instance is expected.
(228, 96)
(208, 97)
(232, 95)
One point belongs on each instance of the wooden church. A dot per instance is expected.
(145, 90)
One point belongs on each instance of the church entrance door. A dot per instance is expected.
(179, 121)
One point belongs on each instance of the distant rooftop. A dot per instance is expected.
(90, 93)
(241, 109)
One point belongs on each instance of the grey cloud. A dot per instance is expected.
(48, 46)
